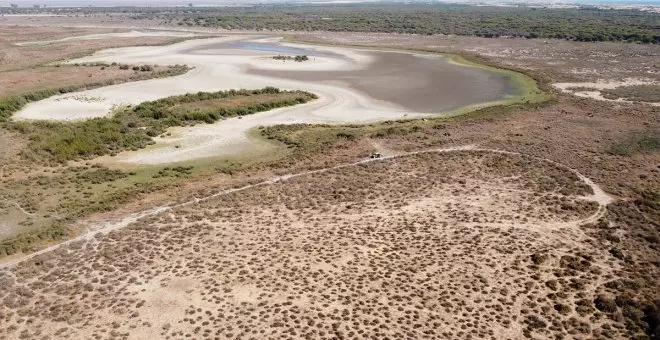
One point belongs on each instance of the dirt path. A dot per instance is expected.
(18, 206)
(599, 197)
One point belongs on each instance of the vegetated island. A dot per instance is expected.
(131, 128)
(298, 58)
(14, 103)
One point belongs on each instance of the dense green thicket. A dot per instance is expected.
(581, 24)
(12, 104)
(24, 242)
(585, 23)
(133, 128)
(168, 109)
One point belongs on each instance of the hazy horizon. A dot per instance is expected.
(157, 3)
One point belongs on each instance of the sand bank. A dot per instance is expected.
(354, 86)
(130, 34)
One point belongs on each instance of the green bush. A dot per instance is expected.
(12, 104)
(605, 304)
(134, 127)
(25, 242)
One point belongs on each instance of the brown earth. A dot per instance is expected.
(307, 257)
(430, 245)
(15, 57)
(24, 68)
(40, 78)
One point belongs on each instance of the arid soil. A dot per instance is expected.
(436, 245)
(15, 57)
(27, 67)
(34, 79)
(446, 245)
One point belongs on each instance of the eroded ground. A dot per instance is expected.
(437, 245)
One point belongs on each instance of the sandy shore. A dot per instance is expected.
(130, 34)
(345, 80)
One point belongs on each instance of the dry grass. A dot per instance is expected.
(426, 246)
(15, 57)
(390, 249)
(49, 77)
(26, 68)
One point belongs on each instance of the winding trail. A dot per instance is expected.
(18, 206)
(599, 196)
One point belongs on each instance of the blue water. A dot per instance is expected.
(277, 49)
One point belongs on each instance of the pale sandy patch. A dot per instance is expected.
(130, 34)
(602, 85)
(236, 62)
(337, 103)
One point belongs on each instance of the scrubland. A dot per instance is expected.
(439, 245)
(461, 244)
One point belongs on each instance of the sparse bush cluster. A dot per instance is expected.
(429, 260)
(298, 58)
(641, 93)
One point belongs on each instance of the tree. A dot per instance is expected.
(14, 6)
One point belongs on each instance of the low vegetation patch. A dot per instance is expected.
(638, 93)
(646, 141)
(12, 104)
(59, 196)
(133, 128)
(30, 241)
